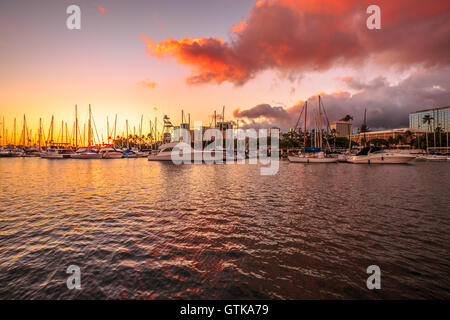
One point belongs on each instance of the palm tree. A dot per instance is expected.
(427, 120)
(347, 118)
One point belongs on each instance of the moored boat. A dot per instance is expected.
(370, 155)
(110, 153)
(86, 153)
(432, 157)
(56, 153)
(317, 157)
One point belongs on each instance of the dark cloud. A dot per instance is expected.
(387, 105)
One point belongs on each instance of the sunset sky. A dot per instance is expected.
(260, 60)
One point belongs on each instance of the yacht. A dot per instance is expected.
(56, 153)
(312, 155)
(86, 153)
(377, 155)
(110, 153)
(165, 152)
(318, 157)
(432, 157)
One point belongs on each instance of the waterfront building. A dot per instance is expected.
(440, 117)
(342, 128)
(405, 133)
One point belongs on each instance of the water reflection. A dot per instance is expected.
(151, 230)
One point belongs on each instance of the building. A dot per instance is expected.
(274, 129)
(224, 125)
(342, 128)
(440, 117)
(405, 133)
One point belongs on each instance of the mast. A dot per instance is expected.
(115, 126)
(107, 130)
(67, 135)
(24, 129)
(51, 130)
(446, 127)
(365, 127)
(89, 128)
(304, 134)
(320, 126)
(40, 132)
(126, 130)
(14, 131)
(140, 131)
(3, 126)
(76, 127)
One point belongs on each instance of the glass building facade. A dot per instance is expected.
(440, 118)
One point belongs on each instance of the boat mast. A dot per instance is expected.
(107, 130)
(89, 128)
(76, 127)
(24, 129)
(140, 131)
(320, 126)
(14, 131)
(126, 133)
(304, 134)
(40, 132)
(115, 126)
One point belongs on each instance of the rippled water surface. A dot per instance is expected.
(149, 230)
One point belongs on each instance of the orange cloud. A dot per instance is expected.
(148, 84)
(240, 27)
(298, 36)
(101, 9)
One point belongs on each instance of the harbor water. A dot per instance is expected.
(151, 230)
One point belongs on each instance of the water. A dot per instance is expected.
(149, 230)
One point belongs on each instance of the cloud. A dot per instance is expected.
(148, 83)
(387, 105)
(101, 9)
(303, 35)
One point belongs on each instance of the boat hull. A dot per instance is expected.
(432, 158)
(114, 155)
(380, 159)
(51, 155)
(297, 159)
(86, 156)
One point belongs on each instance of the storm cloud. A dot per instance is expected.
(387, 105)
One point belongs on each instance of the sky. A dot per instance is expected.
(260, 59)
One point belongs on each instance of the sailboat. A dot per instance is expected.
(89, 152)
(110, 153)
(313, 154)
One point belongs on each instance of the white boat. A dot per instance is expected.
(165, 152)
(110, 153)
(318, 157)
(432, 157)
(86, 153)
(376, 155)
(56, 153)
